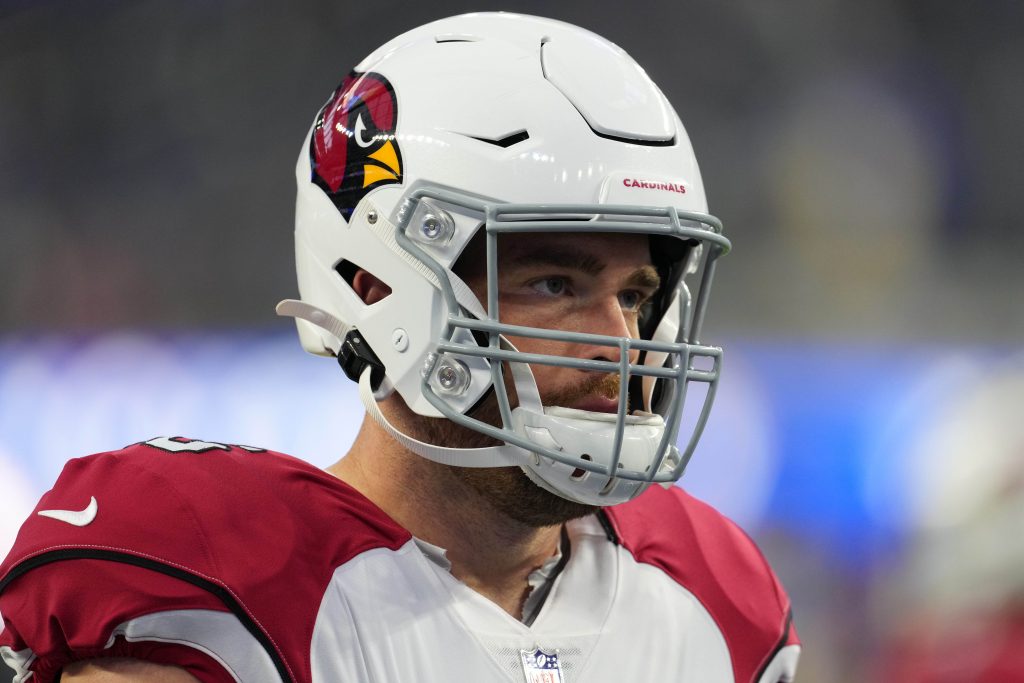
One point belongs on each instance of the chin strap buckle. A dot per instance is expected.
(356, 355)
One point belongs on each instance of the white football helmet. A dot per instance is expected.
(505, 123)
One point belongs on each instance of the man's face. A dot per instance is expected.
(592, 283)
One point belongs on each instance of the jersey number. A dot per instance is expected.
(177, 444)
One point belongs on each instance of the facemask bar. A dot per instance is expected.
(680, 353)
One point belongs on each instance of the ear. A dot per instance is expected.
(369, 287)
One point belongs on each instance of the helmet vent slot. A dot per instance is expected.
(579, 472)
(506, 141)
(456, 38)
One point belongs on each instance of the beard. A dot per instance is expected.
(509, 490)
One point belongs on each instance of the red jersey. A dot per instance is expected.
(240, 564)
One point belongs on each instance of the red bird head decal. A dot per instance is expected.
(353, 148)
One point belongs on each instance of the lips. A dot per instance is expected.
(598, 404)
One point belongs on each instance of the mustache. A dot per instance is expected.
(603, 385)
(443, 432)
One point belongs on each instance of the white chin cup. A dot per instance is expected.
(590, 436)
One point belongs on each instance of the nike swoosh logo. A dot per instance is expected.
(75, 517)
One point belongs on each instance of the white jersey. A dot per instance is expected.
(245, 565)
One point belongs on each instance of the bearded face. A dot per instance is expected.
(592, 283)
(507, 489)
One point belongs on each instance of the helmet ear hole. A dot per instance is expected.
(368, 287)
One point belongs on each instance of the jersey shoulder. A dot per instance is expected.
(134, 552)
(200, 502)
(711, 557)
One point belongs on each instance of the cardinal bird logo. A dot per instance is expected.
(354, 148)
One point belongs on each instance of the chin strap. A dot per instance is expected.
(300, 310)
(491, 456)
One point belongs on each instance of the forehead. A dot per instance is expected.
(607, 250)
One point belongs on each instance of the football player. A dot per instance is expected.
(502, 236)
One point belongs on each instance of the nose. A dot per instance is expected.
(608, 318)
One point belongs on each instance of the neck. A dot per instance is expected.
(489, 552)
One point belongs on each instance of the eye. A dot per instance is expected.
(551, 286)
(632, 300)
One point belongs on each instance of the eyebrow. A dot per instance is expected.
(646, 276)
(573, 259)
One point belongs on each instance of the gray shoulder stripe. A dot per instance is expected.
(19, 661)
(218, 634)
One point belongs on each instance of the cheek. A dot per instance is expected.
(559, 314)
(547, 376)
(541, 346)
(634, 328)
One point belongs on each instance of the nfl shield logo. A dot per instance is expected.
(541, 666)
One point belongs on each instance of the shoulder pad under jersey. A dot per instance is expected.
(180, 524)
(719, 564)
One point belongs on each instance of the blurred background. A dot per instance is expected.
(865, 159)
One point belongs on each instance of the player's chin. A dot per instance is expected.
(509, 491)
(558, 511)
